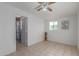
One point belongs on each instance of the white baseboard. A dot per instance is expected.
(34, 42)
(7, 52)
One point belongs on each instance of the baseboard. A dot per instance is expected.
(35, 42)
(63, 43)
(8, 52)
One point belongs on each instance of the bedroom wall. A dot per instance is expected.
(35, 27)
(8, 28)
(35, 30)
(63, 36)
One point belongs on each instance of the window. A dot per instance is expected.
(53, 25)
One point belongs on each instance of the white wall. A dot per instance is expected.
(7, 28)
(64, 36)
(35, 30)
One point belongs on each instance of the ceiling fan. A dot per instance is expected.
(44, 6)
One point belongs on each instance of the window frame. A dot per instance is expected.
(53, 25)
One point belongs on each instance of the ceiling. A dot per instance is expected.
(60, 9)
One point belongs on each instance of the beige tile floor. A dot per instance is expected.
(46, 48)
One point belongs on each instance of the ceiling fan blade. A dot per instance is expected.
(49, 3)
(39, 9)
(49, 9)
(40, 2)
(39, 6)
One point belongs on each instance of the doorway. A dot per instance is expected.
(21, 31)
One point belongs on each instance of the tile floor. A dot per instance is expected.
(46, 48)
